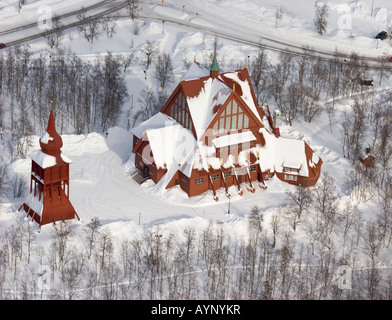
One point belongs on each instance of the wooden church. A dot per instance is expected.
(48, 201)
(212, 134)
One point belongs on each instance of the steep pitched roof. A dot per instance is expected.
(205, 94)
(202, 96)
(171, 144)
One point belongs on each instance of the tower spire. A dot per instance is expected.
(214, 70)
(51, 142)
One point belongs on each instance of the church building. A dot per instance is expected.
(48, 200)
(211, 134)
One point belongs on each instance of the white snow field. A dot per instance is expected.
(100, 174)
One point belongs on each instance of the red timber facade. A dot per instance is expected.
(211, 134)
(48, 201)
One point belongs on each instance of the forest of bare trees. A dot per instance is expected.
(87, 96)
(208, 262)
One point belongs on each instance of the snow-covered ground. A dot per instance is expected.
(101, 184)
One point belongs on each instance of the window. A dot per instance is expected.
(215, 177)
(185, 179)
(267, 176)
(234, 106)
(227, 174)
(232, 118)
(234, 122)
(240, 120)
(221, 125)
(215, 128)
(246, 122)
(252, 169)
(179, 111)
(151, 172)
(290, 177)
(228, 120)
(228, 109)
(199, 181)
(287, 169)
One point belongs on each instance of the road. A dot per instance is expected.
(189, 14)
(31, 31)
(226, 25)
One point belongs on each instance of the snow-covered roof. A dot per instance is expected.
(232, 139)
(171, 144)
(156, 121)
(196, 71)
(35, 203)
(213, 92)
(45, 160)
(245, 90)
(278, 153)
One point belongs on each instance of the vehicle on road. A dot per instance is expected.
(2, 45)
(382, 35)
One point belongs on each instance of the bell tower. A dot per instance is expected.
(49, 182)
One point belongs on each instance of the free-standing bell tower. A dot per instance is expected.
(49, 183)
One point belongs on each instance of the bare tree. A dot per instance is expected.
(55, 35)
(149, 50)
(109, 26)
(147, 102)
(164, 69)
(3, 176)
(320, 20)
(275, 224)
(325, 202)
(372, 246)
(133, 8)
(255, 220)
(89, 26)
(92, 233)
(300, 201)
(293, 100)
(259, 67)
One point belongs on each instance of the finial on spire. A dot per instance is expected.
(214, 67)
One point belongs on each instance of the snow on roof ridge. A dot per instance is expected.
(170, 143)
(246, 91)
(212, 93)
(234, 138)
(283, 152)
(196, 71)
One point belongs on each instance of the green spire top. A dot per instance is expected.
(214, 66)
